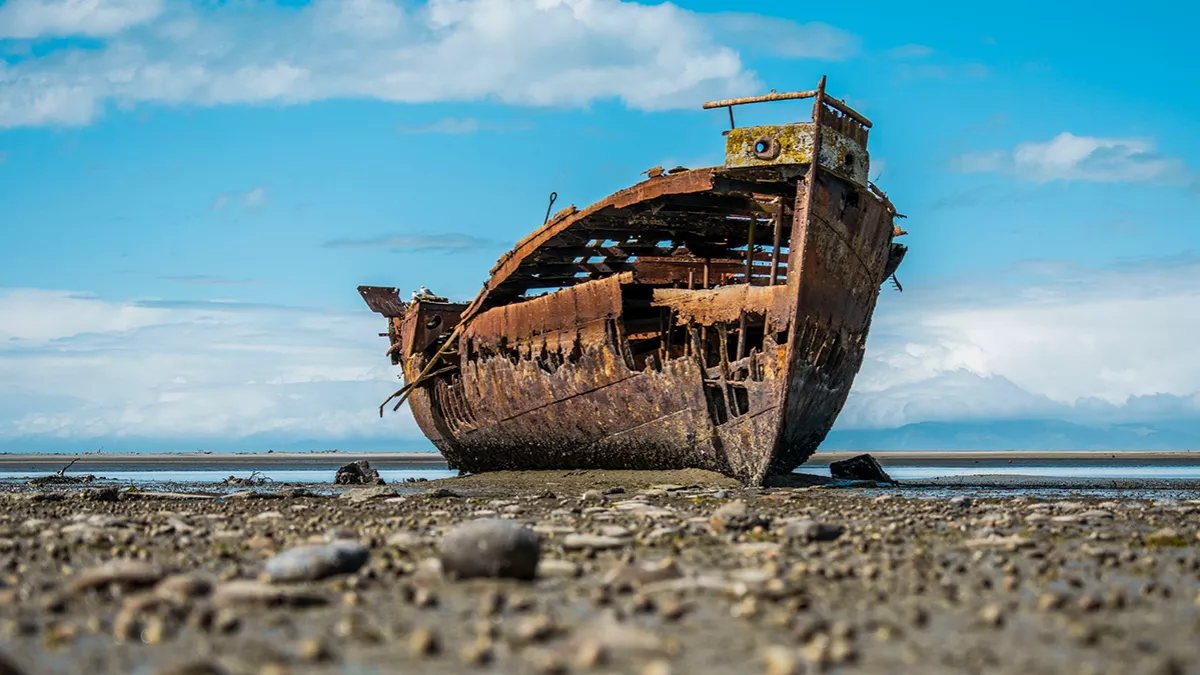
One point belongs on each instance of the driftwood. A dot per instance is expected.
(60, 477)
(250, 481)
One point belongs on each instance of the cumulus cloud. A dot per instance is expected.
(77, 366)
(93, 18)
(787, 39)
(1081, 158)
(1095, 346)
(526, 52)
(415, 243)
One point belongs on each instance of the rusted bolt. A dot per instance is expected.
(766, 147)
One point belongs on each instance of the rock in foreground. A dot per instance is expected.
(491, 548)
(310, 563)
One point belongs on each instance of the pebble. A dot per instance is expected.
(780, 660)
(992, 615)
(960, 501)
(125, 574)
(1166, 536)
(311, 563)
(404, 540)
(180, 588)
(573, 542)
(363, 494)
(637, 574)
(315, 650)
(490, 548)
(423, 642)
(244, 592)
(558, 569)
(811, 530)
(590, 654)
(734, 516)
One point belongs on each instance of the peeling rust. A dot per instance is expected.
(651, 329)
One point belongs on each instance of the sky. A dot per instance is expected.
(190, 193)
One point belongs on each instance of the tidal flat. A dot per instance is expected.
(637, 572)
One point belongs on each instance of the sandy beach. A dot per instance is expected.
(637, 572)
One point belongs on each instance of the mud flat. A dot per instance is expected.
(650, 572)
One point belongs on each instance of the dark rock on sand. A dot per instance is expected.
(357, 473)
(491, 548)
(310, 563)
(861, 467)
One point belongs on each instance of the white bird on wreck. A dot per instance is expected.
(426, 292)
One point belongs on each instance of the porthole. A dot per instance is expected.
(766, 148)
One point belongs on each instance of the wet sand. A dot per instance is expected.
(670, 572)
(980, 459)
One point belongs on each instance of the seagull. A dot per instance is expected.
(415, 295)
(426, 291)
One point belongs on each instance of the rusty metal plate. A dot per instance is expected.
(383, 300)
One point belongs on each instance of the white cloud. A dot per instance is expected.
(455, 126)
(1054, 347)
(255, 197)
(911, 51)
(76, 366)
(53, 18)
(526, 52)
(415, 243)
(783, 38)
(1081, 158)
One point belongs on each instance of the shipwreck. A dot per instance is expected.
(711, 318)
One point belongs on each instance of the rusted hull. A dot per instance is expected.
(532, 406)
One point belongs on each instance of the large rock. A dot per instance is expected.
(357, 473)
(862, 467)
(310, 563)
(491, 548)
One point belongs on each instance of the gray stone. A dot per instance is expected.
(960, 501)
(491, 547)
(309, 563)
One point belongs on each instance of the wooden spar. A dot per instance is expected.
(834, 103)
(775, 249)
(741, 343)
(786, 96)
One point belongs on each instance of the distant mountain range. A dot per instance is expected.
(1020, 435)
(992, 435)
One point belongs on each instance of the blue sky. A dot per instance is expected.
(191, 192)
